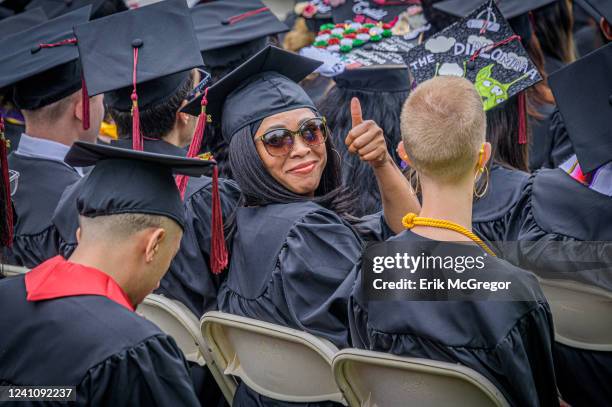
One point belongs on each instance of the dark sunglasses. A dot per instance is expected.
(280, 142)
(199, 88)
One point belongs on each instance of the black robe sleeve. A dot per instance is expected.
(374, 228)
(152, 373)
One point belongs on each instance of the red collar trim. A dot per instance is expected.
(57, 278)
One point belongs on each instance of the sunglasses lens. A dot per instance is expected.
(313, 132)
(278, 142)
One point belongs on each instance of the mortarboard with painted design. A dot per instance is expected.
(371, 11)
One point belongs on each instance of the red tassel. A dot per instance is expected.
(7, 240)
(85, 97)
(137, 142)
(522, 131)
(218, 250)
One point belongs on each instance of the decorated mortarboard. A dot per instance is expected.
(41, 63)
(124, 56)
(146, 183)
(483, 49)
(231, 31)
(583, 91)
(55, 8)
(22, 22)
(515, 11)
(264, 85)
(375, 78)
(371, 11)
(597, 9)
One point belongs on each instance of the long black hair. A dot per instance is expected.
(259, 188)
(382, 107)
(554, 27)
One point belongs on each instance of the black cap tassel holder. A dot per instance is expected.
(85, 96)
(218, 249)
(7, 221)
(137, 141)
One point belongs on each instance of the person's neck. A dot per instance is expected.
(449, 201)
(174, 138)
(58, 134)
(96, 256)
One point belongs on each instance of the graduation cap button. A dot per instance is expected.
(225, 21)
(137, 43)
(610, 99)
(35, 49)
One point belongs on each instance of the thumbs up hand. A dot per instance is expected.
(366, 138)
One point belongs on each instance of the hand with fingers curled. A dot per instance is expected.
(366, 138)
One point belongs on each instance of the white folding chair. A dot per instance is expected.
(10, 271)
(375, 379)
(277, 362)
(582, 314)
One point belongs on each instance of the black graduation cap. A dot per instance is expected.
(515, 11)
(370, 10)
(583, 91)
(129, 181)
(375, 78)
(5, 13)
(125, 56)
(41, 62)
(231, 31)
(21, 22)
(597, 9)
(264, 85)
(55, 8)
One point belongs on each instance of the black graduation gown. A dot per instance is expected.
(509, 342)
(299, 274)
(113, 356)
(551, 145)
(556, 214)
(40, 186)
(13, 133)
(491, 214)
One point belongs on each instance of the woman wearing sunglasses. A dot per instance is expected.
(293, 245)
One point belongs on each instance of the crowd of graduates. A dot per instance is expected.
(203, 152)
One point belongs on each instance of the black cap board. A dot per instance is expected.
(99, 8)
(583, 91)
(266, 84)
(22, 21)
(597, 9)
(41, 69)
(515, 11)
(5, 13)
(375, 78)
(233, 30)
(492, 58)
(128, 181)
(108, 46)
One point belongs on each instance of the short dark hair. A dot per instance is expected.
(156, 121)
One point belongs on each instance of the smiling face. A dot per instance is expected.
(300, 170)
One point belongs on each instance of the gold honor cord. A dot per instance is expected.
(411, 220)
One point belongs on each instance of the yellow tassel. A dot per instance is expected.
(411, 220)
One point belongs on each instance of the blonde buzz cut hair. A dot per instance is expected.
(443, 127)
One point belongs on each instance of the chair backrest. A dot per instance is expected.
(374, 379)
(8, 270)
(176, 320)
(582, 314)
(275, 361)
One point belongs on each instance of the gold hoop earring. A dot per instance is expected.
(483, 189)
(413, 179)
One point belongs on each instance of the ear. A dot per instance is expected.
(154, 241)
(182, 118)
(78, 106)
(486, 156)
(606, 28)
(401, 152)
(78, 235)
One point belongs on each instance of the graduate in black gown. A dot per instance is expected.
(300, 271)
(247, 27)
(46, 81)
(562, 208)
(381, 90)
(509, 342)
(76, 317)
